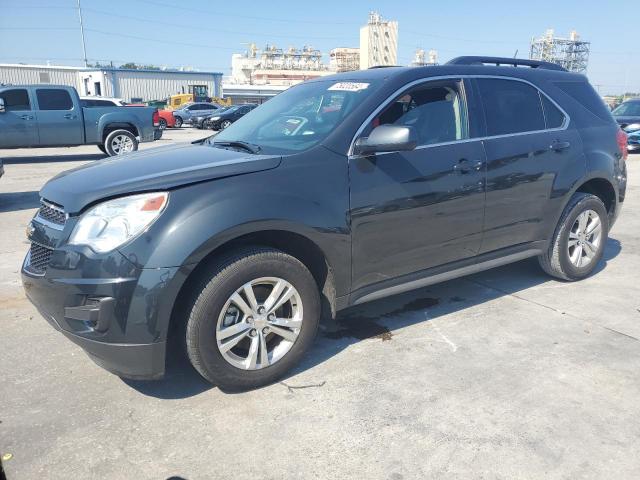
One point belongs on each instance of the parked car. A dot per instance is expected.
(52, 116)
(627, 114)
(189, 111)
(338, 191)
(222, 120)
(634, 141)
(167, 120)
(199, 121)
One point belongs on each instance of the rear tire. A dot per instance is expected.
(212, 311)
(162, 124)
(120, 142)
(579, 239)
(178, 122)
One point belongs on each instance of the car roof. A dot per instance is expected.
(411, 73)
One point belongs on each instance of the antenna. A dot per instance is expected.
(84, 47)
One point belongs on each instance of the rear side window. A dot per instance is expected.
(584, 94)
(510, 106)
(552, 114)
(16, 100)
(53, 99)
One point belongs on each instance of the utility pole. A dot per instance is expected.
(84, 47)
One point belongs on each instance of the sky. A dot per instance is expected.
(205, 33)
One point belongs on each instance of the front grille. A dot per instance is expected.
(52, 213)
(38, 259)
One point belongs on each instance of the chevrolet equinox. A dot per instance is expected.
(338, 191)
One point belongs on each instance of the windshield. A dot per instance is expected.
(628, 109)
(298, 118)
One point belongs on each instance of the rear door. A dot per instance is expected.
(59, 119)
(529, 144)
(18, 126)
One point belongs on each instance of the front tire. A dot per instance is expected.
(178, 123)
(579, 239)
(255, 314)
(120, 142)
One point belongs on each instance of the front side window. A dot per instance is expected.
(434, 110)
(510, 106)
(53, 99)
(300, 117)
(16, 100)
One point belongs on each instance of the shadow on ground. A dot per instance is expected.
(53, 158)
(14, 201)
(379, 319)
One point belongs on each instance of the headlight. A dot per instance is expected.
(632, 127)
(110, 224)
(215, 118)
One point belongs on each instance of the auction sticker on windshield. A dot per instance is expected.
(348, 86)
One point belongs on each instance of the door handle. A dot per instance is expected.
(70, 116)
(26, 117)
(557, 145)
(464, 166)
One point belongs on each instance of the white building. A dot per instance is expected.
(378, 42)
(128, 84)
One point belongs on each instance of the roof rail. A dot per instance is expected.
(383, 66)
(499, 61)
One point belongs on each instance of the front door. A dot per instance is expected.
(59, 119)
(419, 209)
(18, 126)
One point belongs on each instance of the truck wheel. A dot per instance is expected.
(579, 239)
(252, 318)
(102, 149)
(119, 142)
(178, 122)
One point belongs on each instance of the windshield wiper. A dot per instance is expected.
(249, 147)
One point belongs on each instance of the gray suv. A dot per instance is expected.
(338, 191)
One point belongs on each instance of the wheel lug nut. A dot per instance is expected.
(249, 319)
(253, 332)
(265, 330)
(261, 310)
(272, 317)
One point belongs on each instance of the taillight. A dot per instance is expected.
(622, 138)
(156, 119)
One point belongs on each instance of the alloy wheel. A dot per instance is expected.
(259, 323)
(585, 237)
(121, 144)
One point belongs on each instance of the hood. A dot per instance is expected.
(154, 169)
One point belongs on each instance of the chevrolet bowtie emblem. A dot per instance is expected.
(30, 230)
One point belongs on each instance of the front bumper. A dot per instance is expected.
(117, 313)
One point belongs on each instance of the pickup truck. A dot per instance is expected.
(52, 116)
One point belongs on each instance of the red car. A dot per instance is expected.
(167, 120)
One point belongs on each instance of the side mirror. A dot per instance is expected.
(387, 138)
(2, 109)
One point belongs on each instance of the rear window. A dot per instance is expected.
(54, 99)
(585, 95)
(510, 106)
(16, 100)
